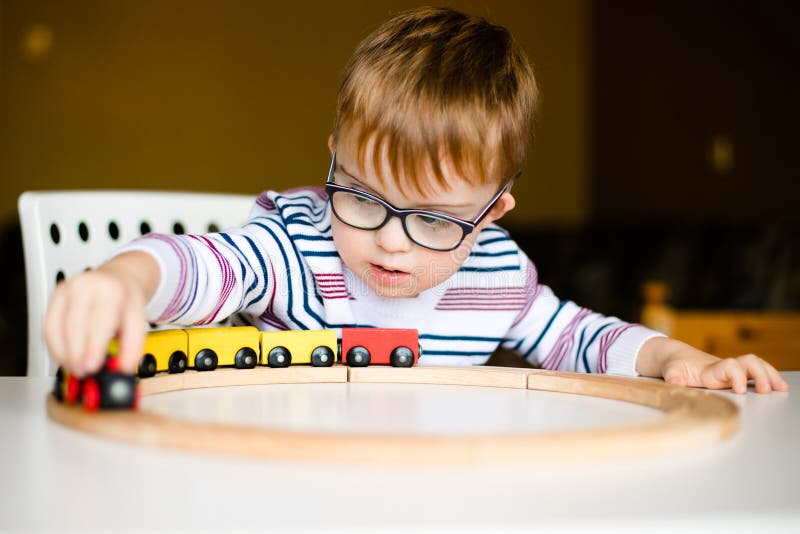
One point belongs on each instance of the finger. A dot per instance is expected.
(75, 327)
(132, 333)
(755, 368)
(715, 376)
(776, 380)
(738, 377)
(725, 373)
(53, 326)
(103, 318)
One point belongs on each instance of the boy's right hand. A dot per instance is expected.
(89, 309)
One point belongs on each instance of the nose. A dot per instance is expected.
(391, 237)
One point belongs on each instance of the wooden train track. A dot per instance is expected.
(691, 418)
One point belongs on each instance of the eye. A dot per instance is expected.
(364, 200)
(433, 222)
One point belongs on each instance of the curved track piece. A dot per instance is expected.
(692, 418)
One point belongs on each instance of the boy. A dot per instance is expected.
(433, 119)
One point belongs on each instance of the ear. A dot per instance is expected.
(503, 205)
(331, 146)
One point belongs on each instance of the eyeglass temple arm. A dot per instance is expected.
(333, 167)
(494, 200)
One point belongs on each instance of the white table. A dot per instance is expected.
(53, 478)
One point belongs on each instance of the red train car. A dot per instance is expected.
(108, 389)
(398, 347)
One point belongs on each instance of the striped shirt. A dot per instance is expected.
(281, 271)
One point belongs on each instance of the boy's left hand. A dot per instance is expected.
(684, 365)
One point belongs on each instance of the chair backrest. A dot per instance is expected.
(773, 335)
(66, 232)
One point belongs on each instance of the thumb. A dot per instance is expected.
(676, 372)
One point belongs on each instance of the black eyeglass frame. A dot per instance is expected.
(467, 227)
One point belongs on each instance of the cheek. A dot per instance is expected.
(348, 241)
(442, 265)
(445, 264)
(460, 255)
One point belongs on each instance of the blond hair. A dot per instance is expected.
(432, 83)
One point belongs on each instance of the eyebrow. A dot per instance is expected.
(353, 177)
(432, 207)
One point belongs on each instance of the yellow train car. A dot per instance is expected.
(282, 348)
(164, 350)
(209, 348)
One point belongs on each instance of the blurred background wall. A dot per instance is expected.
(238, 96)
(664, 146)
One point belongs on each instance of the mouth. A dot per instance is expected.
(386, 275)
(381, 268)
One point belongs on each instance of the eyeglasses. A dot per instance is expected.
(430, 229)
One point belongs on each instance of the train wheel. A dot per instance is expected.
(322, 357)
(177, 362)
(91, 395)
(279, 357)
(72, 390)
(246, 358)
(118, 391)
(206, 360)
(148, 366)
(58, 389)
(358, 357)
(401, 357)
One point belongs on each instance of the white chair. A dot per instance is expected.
(66, 232)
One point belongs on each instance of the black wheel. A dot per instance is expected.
(279, 357)
(245, 358)
(58, 387)
(177, 362)
(401, 357)
(117, 391)
(339, 355)
(358, 357)
(322, 357)
(206, 360)
(148, 366)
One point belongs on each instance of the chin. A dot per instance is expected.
(395, 292)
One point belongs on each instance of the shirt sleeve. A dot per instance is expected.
(560, 335)
(206, 278)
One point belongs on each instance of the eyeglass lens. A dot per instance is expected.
(425, 229)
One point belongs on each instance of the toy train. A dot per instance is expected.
(242, 347)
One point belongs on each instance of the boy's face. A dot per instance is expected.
(386, 259)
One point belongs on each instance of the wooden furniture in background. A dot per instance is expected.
(773, 335)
